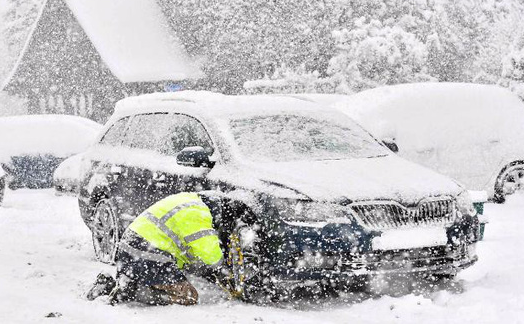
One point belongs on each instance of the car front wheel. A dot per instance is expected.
(244, 262)
(510, 180)
(104, 230)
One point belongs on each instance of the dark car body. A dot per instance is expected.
(286, 222)
(31, 171)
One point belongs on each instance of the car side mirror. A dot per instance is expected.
(390, 144)
(194, 156)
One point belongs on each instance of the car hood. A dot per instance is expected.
(381, 178)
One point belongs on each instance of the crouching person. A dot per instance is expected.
(173, 234)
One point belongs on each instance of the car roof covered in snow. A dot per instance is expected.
(209, 105)
(59, 135)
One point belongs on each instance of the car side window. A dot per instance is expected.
(167, 133)
(185, 131)
(146, 130)
(115, 135)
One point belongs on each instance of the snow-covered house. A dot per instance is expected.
(82, 56)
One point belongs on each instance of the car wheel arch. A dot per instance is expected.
(498, 196)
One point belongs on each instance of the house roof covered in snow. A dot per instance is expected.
(131, 36)
(134, 40)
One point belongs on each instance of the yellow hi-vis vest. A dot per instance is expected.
(181, 225)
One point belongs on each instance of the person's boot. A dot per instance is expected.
(102, 286)
(124, 291)
(182, 293)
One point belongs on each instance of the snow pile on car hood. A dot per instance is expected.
(380, 178)
(437, 114)
(58, 135)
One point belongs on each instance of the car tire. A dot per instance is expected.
(105, 231)
(510, 180)
(245, 262)
(2, 190)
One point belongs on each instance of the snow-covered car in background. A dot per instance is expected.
(34, 145)
(299, 192)
(67, 175)
(470, 132)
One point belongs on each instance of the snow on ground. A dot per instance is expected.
(47, 263)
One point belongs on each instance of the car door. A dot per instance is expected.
(107, 172)
(144, 161)
(186, 131)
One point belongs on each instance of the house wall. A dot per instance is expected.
(61, 72)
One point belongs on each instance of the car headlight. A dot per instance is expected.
(311, 211)
(465, 204)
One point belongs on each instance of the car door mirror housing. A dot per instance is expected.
(390, 144)
(194, 156)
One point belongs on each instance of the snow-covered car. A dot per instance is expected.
(299, 192)
(470, 132)
(67, 175)
(34, 145)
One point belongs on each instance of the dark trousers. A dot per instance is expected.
(138, 278)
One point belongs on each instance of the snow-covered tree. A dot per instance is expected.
(512, 74)
(241, 40)
(17, 17)
(372, 54)
(459, 30)
(392, 41)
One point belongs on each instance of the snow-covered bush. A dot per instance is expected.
(373, 54)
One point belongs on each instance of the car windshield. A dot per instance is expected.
(282, 138)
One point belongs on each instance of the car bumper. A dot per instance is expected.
(446, 260)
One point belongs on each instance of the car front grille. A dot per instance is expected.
(380, 215)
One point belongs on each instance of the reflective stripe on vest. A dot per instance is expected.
(175, 210)
(199, 235)
(143, 254)
(167, 231)
(182, 225)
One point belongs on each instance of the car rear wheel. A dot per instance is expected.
(104, 230)
(510, 180)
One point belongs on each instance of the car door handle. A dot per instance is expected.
(159, 177)
(115, 169)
